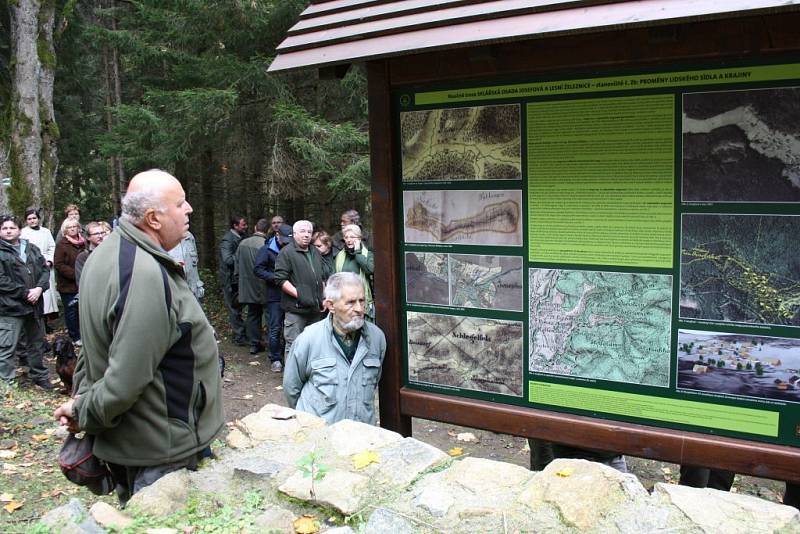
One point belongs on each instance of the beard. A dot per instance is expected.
(352, 325)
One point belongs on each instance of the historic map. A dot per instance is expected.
(463, 217)
(740, 268)
(601, 325)
(488, 282)
(742, 146)
(472, 143)
(427, 278)
(465, 352)
(466, 280)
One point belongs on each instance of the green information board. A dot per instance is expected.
(620, 246)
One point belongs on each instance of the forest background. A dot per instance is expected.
(94, 91)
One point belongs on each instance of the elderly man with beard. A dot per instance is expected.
(335, 364)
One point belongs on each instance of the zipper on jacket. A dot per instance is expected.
(199, 404)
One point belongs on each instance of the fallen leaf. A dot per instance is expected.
(306, 524)
(248, 397)
(50, 431)
(40, 437)
(7, 455)
(456, 451)
(450, 433)
(10, 468)
(6, 497)
(466, 436)
(564, 473)
(254, 363)
(13, 505)
(278, 388)
(364, 458)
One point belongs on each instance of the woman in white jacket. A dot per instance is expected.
(43, 239)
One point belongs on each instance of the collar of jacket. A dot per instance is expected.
(11, 248)
(142, 240)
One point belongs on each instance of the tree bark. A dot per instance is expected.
(33, 158)
(26, 126)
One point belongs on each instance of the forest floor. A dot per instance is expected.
(31, 482)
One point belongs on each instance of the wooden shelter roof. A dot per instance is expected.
(333, 32)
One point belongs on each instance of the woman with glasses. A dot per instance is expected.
(67, 251)
(96, 232)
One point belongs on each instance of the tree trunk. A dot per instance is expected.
(48, 166)
(26, 126)
(33, 158)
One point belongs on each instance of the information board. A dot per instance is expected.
(621, 246)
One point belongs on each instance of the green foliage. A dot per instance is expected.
(759, 369)
(720, 364)
(749, 366)
(311, 466)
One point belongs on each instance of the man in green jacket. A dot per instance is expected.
(24, 276)
(301, 275)
(149, 388)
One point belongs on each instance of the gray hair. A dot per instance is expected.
(68, 222)
(296, 226)
(135, 204)
(334, 285)
(356, 229)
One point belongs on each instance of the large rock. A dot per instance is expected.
(383, 520)
(404, 461)
(350, 437)
(275, 520)
(109, 517)
(165, 496)
(71, 518)
(275, 423)
(582, 492)
(339, 489)
(722, 511)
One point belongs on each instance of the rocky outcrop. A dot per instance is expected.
(353, 477)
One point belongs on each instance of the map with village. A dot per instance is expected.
(465, 352)
(601, 325)
(463, 217)
(466, 280)
(471, 143)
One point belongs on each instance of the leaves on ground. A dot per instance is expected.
(566, 472)
(456, 451)
(466, 436)
(12, 506)
(306, 524)
(365, 458)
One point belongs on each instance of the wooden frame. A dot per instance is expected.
(749, 38)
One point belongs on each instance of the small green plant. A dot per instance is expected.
(311, 466)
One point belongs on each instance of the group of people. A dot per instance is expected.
(36, 270)
(282, 270)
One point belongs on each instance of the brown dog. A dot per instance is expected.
(64, 351)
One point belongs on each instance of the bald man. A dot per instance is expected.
(148, 385)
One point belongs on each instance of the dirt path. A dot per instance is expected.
(248, 385)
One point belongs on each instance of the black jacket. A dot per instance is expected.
(227, 258)
(265, 269)
(17, 277)
(307, 273)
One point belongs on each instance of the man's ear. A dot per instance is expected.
(151, 219)
(328, 305)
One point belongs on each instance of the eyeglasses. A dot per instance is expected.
(94, 234)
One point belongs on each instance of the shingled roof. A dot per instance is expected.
(332, 32)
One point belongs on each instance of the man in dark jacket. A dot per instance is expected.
(227, 278)
(252, 290)
(150, 389)
(300, 274)
(24, 276)
(265, 269)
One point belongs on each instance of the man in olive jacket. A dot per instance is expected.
(24, 276)
(150, 388)
(300, 274)
(227, 276)
(252, 289)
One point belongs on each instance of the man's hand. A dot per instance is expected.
(356, 245)
(34, 294)
(64, 416)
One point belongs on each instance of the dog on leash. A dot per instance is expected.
(64, 351)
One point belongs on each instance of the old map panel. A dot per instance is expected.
(740, 268)
(488, 282)
(473, 143)
(463, 217)
(601, 325)
(427, 278)
(465, 352)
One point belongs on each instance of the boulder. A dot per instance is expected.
(165, 496)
